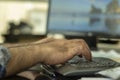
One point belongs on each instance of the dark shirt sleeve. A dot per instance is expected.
(4, 58)
(2, 71)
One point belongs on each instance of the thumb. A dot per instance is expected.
(73, 52)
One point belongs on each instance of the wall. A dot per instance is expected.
(17, 10)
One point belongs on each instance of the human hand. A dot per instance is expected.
(57, 51)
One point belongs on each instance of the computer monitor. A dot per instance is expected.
(99, 18)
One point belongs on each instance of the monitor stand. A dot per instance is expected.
(90, 40)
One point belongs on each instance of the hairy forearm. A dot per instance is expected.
(23, 56)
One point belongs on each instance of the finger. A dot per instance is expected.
(73, 51)
(82, 48)
(86, 51)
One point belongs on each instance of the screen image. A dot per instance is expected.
(86, 16)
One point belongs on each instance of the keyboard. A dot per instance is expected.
(81, 67)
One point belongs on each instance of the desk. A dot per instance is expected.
(109, 49)
(109, 46)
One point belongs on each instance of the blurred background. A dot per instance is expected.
(95, 21)
(20, 18)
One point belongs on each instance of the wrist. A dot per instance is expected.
(39, 52)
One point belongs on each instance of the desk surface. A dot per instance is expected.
(106, 46)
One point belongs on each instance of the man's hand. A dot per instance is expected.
(57, 51)
(47, 51)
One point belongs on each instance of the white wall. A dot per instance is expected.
(11, 10)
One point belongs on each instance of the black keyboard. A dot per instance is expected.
(81, 67)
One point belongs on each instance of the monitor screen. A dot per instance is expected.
(85, 17)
